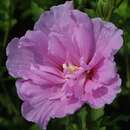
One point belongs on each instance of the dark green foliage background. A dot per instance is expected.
(18, 16)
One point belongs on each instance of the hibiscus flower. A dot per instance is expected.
(66, 61)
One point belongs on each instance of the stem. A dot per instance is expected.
(96, 113)
(93, 122)
(127, 62)
(82, 115)
(67, 123)
(109, 15)
(2, 81)
(6, 33)
(111, 9)
(13, 107)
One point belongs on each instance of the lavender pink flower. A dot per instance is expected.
(65, 62)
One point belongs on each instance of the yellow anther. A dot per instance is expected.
(70, 68)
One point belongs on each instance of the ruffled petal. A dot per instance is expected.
(34, 93)
(108, 37)
(71, 32)
(38, 105)
(105, 71)
(31, 58)
(63, 47)
(19, 61)
(83, 35)
(57, 15)
(108, 40)
(37, 43)
(97, 94)
(41, 114)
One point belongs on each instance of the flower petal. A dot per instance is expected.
(55, 16)
(18, 62)
(83, 35)
(105, 71)
(39, 108)
(108, 40)
(97, 94)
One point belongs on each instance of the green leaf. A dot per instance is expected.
(108, 121)
(36, 10)
(46, 4)
(123, 8)
(82, 115)
(91, 12)
(34, 127)
(72, 127)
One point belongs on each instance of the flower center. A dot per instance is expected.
(70, 68)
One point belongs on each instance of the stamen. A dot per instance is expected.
(70, 68)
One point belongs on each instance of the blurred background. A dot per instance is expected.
(18, 16)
